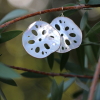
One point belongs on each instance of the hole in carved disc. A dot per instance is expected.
(42, 53)
(34, 32)
(28, 36)
(37, 49)
(57, 27)
(31, 48)
(60, 21)
(46, 46)
(75, 41)
(62, 48)
(36, 26)
(61, 34)
(72, 34)
(52, 36)
(67, 42)
(40, 39)
(31, 41)
(43, 32)
(66, 28)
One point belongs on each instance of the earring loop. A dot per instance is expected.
(62, 12)
(40, 16)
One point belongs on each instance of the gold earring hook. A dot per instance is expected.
(62, 12)
(40, 16)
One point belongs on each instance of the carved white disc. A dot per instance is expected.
(41, 39)
(70, 33)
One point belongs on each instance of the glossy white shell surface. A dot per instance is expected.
(41, 39)
(70, 33)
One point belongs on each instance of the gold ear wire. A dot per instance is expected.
(40, 16)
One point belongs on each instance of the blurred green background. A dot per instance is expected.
(14, 54)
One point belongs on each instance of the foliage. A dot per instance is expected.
(89, 48)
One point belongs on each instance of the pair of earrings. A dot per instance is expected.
(61, 35)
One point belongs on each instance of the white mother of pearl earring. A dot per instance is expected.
(41, 39)
(70, 33)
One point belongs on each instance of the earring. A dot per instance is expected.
(40, 39)
(70, 33)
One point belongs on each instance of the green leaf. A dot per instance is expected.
(98, 91)
(77, 93)
(13, 14)
(1, 30)
(84, 21)
(66, 85)
(86, 1)
(93, 38)
(69, 4)
(7, 73)
(60, 55)
(91, 2)
(76, 69)
(95, 48)
(88, 8)
(57, 60)
(89, 53)
(89, 72)
(9, 35)
(94, 30)
(54, 90)
(2, 94)
(33, 75)
(85, 93)
(60, 90)
(10, 81)
(91, 43)
(64, 60)
(81, 56)
(69, 12)
(50, 60)
(81, 84)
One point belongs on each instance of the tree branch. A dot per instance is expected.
(51, 74)
(95, 80)
(96, 75)
(47, 11)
